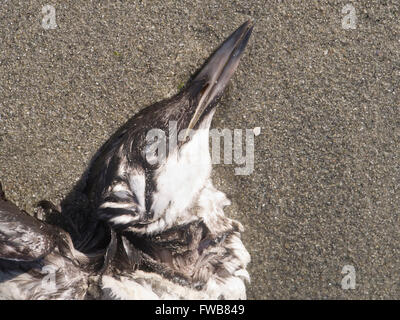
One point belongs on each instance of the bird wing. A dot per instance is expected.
(22, 237)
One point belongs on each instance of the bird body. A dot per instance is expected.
(152, 201)
(38, 261)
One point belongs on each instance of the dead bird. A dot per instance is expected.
(160, 215)
(157, 197)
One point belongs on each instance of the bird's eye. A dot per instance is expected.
(155, 149)
(151, 154)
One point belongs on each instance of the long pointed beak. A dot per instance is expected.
(216, 73)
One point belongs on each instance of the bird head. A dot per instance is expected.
(149, 173)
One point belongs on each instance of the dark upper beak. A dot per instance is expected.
(216, 72)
